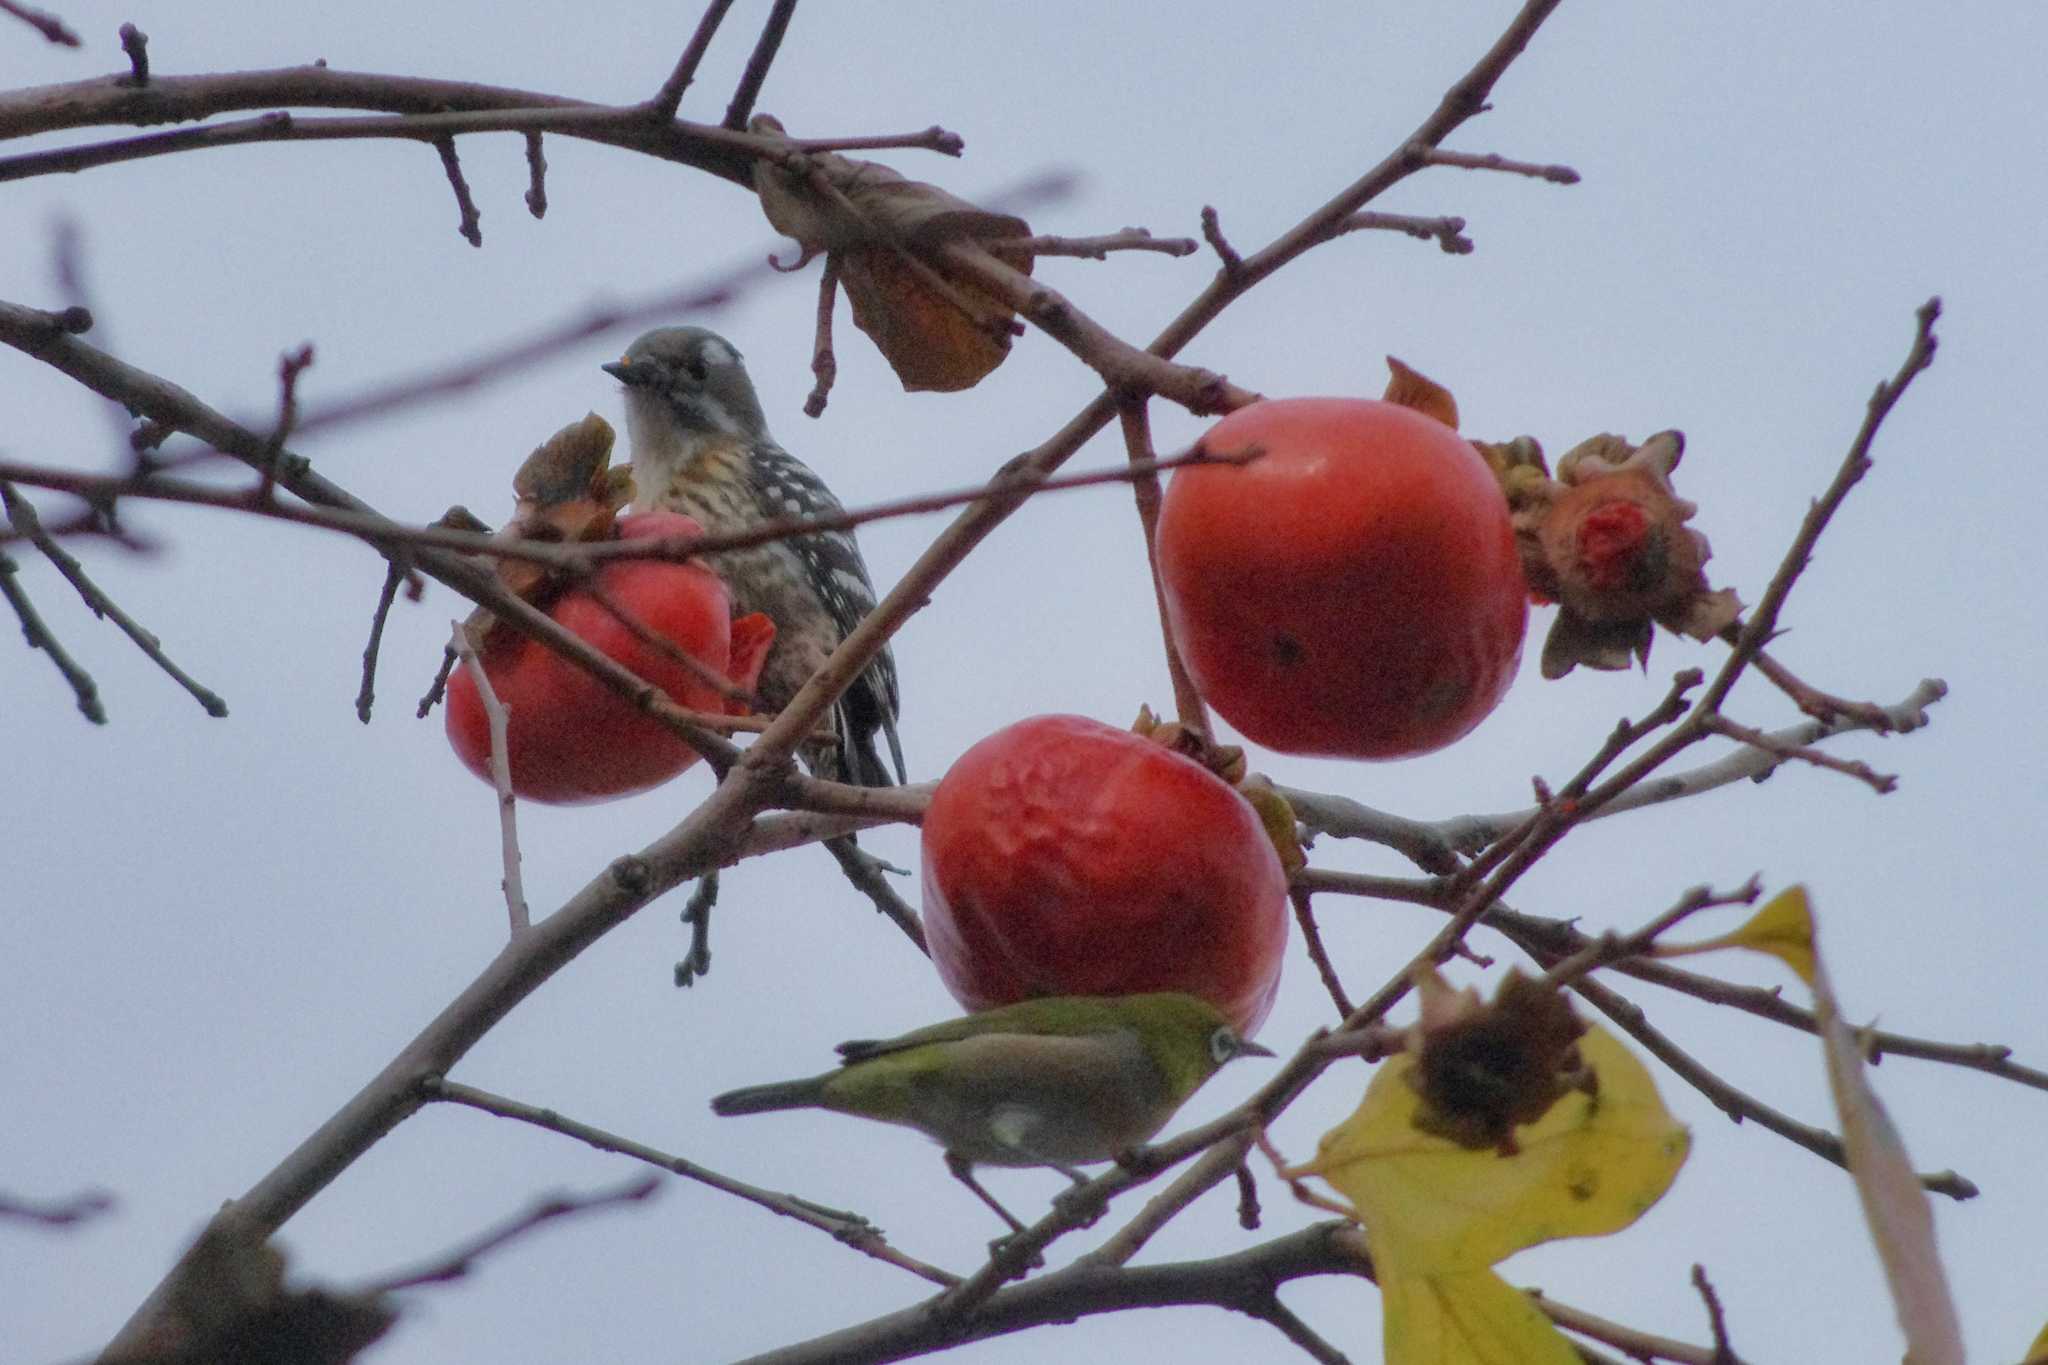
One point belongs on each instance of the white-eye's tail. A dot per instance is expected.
(761, 1099)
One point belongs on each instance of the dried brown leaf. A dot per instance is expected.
(937, 330)
(1413, 389)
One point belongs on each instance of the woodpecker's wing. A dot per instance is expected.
(787, 487)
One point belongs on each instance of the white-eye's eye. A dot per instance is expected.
(1223, 1045)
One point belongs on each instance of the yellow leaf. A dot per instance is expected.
(1437, 1216)
(1783, 928)
(1590, 1166)
(1473, 1317)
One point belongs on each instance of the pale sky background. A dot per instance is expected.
(218, 930)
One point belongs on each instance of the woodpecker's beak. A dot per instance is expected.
(631, 373)
(1247, 1048)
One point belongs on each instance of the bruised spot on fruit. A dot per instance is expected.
(1287, 651)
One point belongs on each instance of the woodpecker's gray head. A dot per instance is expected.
(692, 377)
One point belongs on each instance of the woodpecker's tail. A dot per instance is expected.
(861, 761)
(761, 1099)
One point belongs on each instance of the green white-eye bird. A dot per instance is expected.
(1056, 1082)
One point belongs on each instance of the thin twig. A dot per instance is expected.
(460, 1262)
(1144, 466)
(1748, 763)
(1611, 947)
(135, 43)
(1447, 232)
(824, 366)
(290, 366)
(869, 876)
(1493, 161)
(1763, 620)
(1312, 936)
(22, 514)
(850, 1228)
(366, 695)
(763, 56)
(49, 25)
(1289, 1325)
(1736, 1103)
(663, 106)
(1247, 1198)
(696, 962)
(501, 778)
(932, 139)
(1097, 248)
(1881, 783)
(439, 687)
(536, 176)
(1717, 1322)
(1216, 1165)
(67, 243)
(1810, 699)
(471, 226)
(83, 689)
(1636, 1345)
(1212, 233)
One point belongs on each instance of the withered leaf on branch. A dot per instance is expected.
(937, 330)
(1414, 389)
(565, 491)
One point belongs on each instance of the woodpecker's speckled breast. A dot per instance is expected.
(709, 476)
(701, 447)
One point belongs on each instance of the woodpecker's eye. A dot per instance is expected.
(695, 367)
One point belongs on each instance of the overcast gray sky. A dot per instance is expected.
(218, 930)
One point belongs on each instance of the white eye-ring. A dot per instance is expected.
(1223, 1045)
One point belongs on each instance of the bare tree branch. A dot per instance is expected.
(663, 105)
(22, 514)
(765, 48)
(460, 1262)
(850, 1228)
